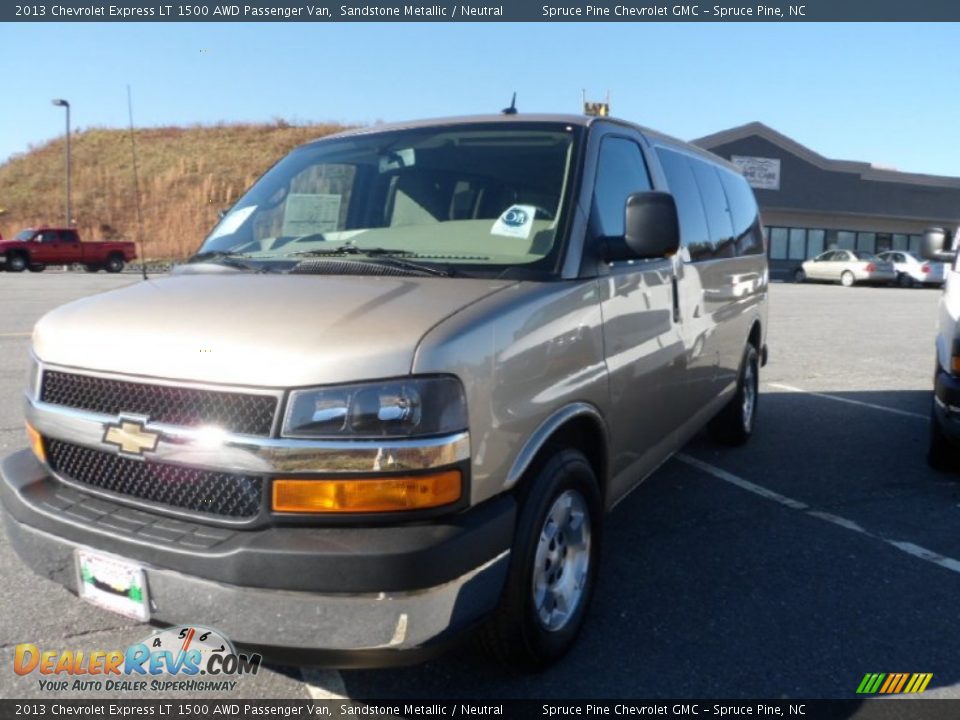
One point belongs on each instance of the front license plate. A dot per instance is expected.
(114, 584)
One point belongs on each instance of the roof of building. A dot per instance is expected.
(865, 170)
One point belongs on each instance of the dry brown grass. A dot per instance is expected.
(186, 176)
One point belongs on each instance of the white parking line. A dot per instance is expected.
(909, 548)
(323, 684)
(828, 396)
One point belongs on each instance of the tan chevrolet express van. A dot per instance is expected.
(393, 395)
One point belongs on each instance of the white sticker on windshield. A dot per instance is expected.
(232, 222)
(306, 214)
(516, 221)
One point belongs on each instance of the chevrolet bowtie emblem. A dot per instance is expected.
(130, 436)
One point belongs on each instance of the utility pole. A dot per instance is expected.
(59, 102)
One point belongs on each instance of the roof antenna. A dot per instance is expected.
(512, 110)
(136, 187)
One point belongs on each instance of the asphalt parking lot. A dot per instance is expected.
(823, 550)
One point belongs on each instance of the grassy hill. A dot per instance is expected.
(186, 176)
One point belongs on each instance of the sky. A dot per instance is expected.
(881, 93)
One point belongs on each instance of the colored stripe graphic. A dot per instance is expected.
(893, 683)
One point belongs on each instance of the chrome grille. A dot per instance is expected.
(236, 412)
(204, 491)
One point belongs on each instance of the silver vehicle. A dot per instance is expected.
(847, 267)
(394, 394)
(913, 271)
(943, 450)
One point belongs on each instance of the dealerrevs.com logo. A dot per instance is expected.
(186, 658)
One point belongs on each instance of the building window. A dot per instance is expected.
(867, 241)
(815, 240)
(916, 243)
(778, 243)
(846, 240)
(798, 237)
(900, 242)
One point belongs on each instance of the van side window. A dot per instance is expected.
(621, 172)
(694, 233)
(715, 204)
(744, 211)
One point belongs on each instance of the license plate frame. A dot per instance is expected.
(112, 583)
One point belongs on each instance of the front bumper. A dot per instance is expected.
(333, 589)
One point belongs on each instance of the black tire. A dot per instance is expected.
(940, 453)
(799, 275)
(905, 281)
(515, 634)
(16, 263)
(114, 264)
(92, 268)
(847, 279)
(734, 424)
(37, 268)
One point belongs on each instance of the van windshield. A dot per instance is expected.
(481, 198)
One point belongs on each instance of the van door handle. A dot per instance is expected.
(676, 299)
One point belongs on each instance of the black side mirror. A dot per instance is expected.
(935, 246)
(651, 228)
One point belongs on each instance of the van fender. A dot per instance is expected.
(539, 438)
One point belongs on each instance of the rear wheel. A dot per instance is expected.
(847, 279)
(940, 453)
(799, 275)
(553, 565)
(734, 424)
(114, 264)
(16, 263)
(904, 280)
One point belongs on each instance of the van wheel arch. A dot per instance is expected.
(577, 427)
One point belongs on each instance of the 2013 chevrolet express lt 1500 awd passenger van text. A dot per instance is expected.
(395, 392)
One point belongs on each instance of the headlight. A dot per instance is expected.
(390, 408)
(33, 378)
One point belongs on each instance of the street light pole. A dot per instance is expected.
(64, 104)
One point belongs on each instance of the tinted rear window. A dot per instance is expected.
(694, 233)
(744, 211)
(715, 205)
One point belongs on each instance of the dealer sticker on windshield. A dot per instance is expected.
(516, 221)
(113, 583)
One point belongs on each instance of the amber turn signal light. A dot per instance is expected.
(36, 443)
(357, 495)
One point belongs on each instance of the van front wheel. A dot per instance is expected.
(734, 424)
(553, 565)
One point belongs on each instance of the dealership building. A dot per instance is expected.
(810, 203)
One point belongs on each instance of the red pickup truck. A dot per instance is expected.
(35, 248)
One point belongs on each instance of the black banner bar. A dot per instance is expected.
(867, 709)
(326, 11)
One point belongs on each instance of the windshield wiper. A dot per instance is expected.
(395, 257)
(353, 250)
(230, 259)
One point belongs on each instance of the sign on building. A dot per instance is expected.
(761, 173)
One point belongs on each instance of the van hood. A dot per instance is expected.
(256, 330)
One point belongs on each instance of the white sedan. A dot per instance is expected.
(912, 270)
(847, 267)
